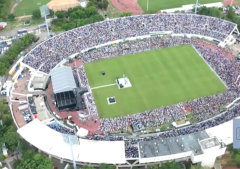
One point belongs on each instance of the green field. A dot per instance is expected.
(159, 78)
(26, 7)
(156, 5)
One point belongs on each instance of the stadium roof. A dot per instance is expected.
(223, 132)
(151, 150)
(52, 142)
(62, 79)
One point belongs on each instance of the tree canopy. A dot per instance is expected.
(214, 12)
(166, 165)
(18, 46)
(75, 17)
(4, 7)
(107, 166)
(31, 160)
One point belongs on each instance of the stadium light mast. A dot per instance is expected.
(147, 5)
(71, 140)
(196, 6)
(44, 13)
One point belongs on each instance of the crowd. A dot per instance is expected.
(48, 54)
(221, 60)
(131, 145)
(61, 129)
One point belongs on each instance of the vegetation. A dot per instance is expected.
(214, 12)
(166, 82)
(8, 133)
(156, 5)
(217, 12)
(9, 57)
(107, 166)
(26, 7)
(100, 4)
(31, 160)
(235, 155)
(36, 14)
(166, 165)
(75, 17)
(199, 167)
(11, 17)
(4, 8)
(124, 14)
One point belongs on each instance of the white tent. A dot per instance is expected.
(82, 132)
(62, 79)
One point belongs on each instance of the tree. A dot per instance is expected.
(124, 14)
(215, 12)
(11, 17)
(2, 157)
(34, 160)
(88, 167)
(8, 58)
(107, 166)
(153, 166)
(11, 139)
(171, 165)
(199, 167)
(36, 14)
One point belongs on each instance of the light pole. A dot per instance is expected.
(71, 140)
(44, 13)
(196, 6)
(147, 5)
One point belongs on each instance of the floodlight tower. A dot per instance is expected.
(71, 140)
(196, 6)
(147, 5)
(44, 13)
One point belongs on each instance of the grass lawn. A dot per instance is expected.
(156, 5)
(159, 78)
(26, 7)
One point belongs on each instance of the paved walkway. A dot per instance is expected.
(103, 86)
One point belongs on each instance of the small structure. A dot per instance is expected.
(123, 82)
(82, 132)
(111, 100)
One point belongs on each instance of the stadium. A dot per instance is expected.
(107, 92)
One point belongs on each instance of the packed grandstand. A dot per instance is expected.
(100, 41)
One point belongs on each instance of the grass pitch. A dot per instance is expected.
(159, 78)
(26, 7)
(156, 5)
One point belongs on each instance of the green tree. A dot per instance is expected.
(16, 163)
(107, 166)
(36, 14)
(34, 160)
(124, 14)
(11, 139)
(171, 165)
(8, 58)
(215, 12)
(199, 167)
(88, 167)
(153, 166)
(2, 157)
(11, 17)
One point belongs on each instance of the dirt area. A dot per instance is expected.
(15, 6)
(235, 49)
(57, 5)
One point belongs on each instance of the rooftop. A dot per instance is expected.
(172, 145)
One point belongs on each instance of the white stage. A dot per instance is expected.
(125, 82)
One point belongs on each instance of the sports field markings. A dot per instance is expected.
(103, 86)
